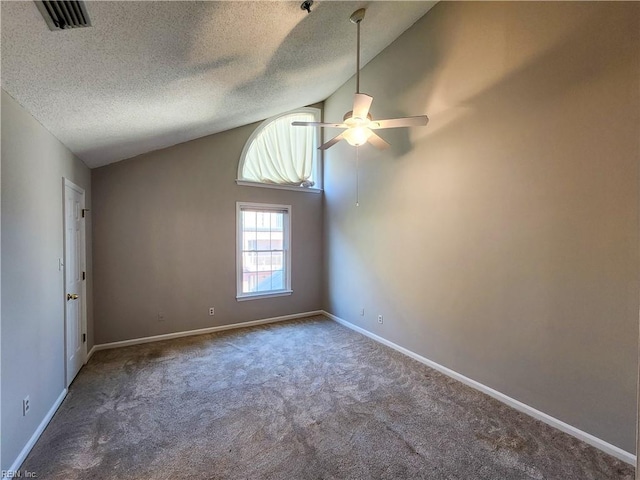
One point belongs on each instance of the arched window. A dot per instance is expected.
(282, 156)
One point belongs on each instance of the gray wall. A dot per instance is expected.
(501, 240)
(165, 233)
(33, 164)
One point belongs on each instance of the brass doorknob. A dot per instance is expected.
(72, 296)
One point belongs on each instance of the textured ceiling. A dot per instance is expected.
(150, 74)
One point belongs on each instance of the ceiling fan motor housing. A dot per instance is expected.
(349, 114)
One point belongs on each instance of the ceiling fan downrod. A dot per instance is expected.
(357, 17)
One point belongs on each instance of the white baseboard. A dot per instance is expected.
(36, 435)
(91, 352)
(522, 407)
(201, 331)
(512, 402)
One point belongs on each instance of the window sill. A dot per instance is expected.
(246, 183)
(255, 296)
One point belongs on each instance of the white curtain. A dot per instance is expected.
(282, 154)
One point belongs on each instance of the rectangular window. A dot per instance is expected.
(263, 254)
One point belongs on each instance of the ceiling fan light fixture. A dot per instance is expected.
(357, 136)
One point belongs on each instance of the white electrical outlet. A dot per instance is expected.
(160, 317)
(380, 319)
(212, 311)
(25, 406)
(362, 312)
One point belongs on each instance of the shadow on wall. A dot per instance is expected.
(571, 55)
(577, 58)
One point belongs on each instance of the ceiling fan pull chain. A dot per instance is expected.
(357, 176)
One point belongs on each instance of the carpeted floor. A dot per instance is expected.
(306, 399)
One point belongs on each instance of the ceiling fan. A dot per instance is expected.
(358, 124)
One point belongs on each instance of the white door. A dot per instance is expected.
(74, 261)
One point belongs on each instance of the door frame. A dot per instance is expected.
(83, 240)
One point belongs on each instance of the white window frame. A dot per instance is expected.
(240, 296)
(317, 163)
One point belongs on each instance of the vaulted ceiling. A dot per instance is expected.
(151, 74)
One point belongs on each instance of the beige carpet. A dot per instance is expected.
(305, 399)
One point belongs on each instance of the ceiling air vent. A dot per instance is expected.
(64, 15)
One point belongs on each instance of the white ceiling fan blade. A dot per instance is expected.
(361, 104)
(378, 142)
(331, 142)
(418, 121)
(319, 124)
